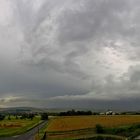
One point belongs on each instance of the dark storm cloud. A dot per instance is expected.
(66, 52)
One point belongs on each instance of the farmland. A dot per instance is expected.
(16, 126)
(82, 122)
(84, 126)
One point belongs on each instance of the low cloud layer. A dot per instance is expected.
(63, 53)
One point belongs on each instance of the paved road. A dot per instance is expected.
(27, 136)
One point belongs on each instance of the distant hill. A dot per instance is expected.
(20, 110)
(32, 109)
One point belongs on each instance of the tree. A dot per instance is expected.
(16, 117)
(31, 116)
(2, 117)
(27, 116)
(9, 117)
(44, 116)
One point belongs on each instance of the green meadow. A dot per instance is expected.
(15, 126)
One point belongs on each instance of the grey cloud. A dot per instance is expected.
(70, 52)
(95, 19)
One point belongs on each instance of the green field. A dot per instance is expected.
(17, 126)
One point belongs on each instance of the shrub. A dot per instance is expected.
(99, 129)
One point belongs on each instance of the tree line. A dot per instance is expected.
(44, 116)
(75, 113)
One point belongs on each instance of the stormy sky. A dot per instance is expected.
(70, 53)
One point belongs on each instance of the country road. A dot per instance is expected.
(28, 135)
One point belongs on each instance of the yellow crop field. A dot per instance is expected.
(83, 122)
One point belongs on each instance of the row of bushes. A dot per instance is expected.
(128, 131)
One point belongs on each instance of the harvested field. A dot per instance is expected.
(61, 124)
